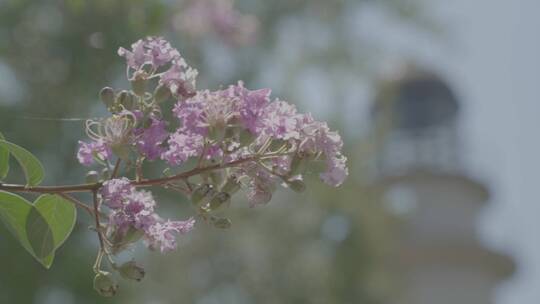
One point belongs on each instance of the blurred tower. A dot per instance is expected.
(438, 257)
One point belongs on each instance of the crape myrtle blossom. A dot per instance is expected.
(180, 79)
(88, 152)
(182, 146)
(152, 51)
(132, 208)
(162, 234)
(111, 134)
(209, 145)
(155, 53)
(149, 139)
(263, 119)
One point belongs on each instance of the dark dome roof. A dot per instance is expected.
(415, 99)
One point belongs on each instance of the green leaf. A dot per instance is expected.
(39, 234)
(60, 214)
(4, 160)
(13, 212)
(57, 218)
(33, 170)
(40, 228)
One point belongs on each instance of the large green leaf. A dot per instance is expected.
(60, 215)
(13, 212)
(39, 234)
(4, 160)
(33, 170)
(40, 228)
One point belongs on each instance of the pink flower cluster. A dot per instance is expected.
(156, 52)
(263, 119)
(262, 143)
(88, 152)
(131, 208)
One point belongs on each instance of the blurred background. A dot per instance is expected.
(437, 104)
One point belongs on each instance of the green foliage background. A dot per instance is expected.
(323, 246)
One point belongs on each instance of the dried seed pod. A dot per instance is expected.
(105, 284)
(162, 93)
(221, 222)
(131, 271)
(138, 83)
(200, 193)
(107, 96)
(218, 200)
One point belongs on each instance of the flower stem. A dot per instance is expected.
(93, 187)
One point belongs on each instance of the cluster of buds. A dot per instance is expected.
(223, 142)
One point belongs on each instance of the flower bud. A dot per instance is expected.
(221, 222)
(92, 177)
(107, 96)
(138, 83)
(162, 93)
(218, 200)
(297, 185)
(122, 240)
(126, 99)
(298, 164)
(200, 193)
(232, 185)
(131, 271)
(259, 197)
(104, 284)
(217, 131)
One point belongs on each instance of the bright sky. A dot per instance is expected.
(490, 56)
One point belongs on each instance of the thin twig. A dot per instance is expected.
(96, 216)
(77, 203)
(116, 168)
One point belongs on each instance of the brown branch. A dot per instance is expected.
(51, 189)
(116, 168)
(96, 216)
(77, 203)
(93, 187)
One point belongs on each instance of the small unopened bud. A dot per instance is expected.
(104, 284)
(232, 185)
(126, 99)
(221, 222)
(297, 185)
(259, 197)
(298, 164)
(131, 271)
(107, 96)
(138, 83)
(92, 177)
(217, 131)
(218, 200)
(200, 193)
(122, 240)
(162, 93)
